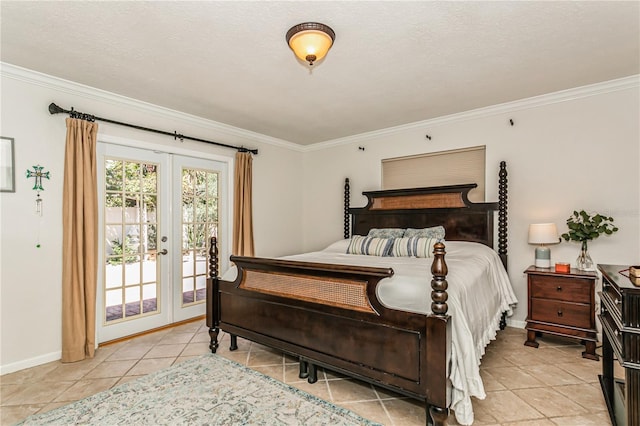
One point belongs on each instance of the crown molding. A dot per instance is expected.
(50, 82)
(77, 89)
(624, 83)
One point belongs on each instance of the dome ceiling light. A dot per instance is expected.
(310, 41)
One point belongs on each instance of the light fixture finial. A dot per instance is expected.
(310, 41)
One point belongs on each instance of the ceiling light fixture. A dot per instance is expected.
(310, 41)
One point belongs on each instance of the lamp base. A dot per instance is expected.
(543, 257)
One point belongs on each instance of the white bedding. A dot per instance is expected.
(479, 291)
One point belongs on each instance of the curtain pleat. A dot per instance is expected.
(243, 215)
(79, 241)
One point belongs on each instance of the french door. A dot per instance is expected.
(157, 212)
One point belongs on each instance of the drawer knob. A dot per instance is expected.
(559, 312)
(559, 288)
(616, 332)
(617, 301)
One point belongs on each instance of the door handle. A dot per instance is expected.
(164, 251)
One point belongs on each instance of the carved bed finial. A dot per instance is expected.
(502, 213)
(213, 255)
(346, 208)
(439, 282)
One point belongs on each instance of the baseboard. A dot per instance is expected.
(31, 362)
(516, 323)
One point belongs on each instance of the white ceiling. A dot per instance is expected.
(392, 63)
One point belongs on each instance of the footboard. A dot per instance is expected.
(329, 315)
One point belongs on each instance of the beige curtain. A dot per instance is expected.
(79, 241)
(242, 206)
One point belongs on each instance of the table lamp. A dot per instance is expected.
(543, 233)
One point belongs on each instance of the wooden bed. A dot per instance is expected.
(329, 315)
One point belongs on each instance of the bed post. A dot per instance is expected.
(347, 234)
(213, 300)
(438, 351)
(502, 213)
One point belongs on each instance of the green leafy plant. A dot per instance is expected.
(584, 227)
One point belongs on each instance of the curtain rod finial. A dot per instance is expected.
(54, 109)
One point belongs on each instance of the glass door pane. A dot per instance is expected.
(131, 296)
(200, 198)
(131, 285)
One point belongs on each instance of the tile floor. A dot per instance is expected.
(551, 385)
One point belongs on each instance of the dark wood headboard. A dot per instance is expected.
(448, 206)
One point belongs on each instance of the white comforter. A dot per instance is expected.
(479, 291)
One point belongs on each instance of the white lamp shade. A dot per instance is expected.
(543, 233)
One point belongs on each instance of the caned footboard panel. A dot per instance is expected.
(365, 345)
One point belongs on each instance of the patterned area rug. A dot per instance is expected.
(207, 390)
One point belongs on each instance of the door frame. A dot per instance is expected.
(226, 212)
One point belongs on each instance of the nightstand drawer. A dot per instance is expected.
(561, 313)
(558, 288)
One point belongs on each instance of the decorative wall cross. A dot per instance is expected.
(38, 174)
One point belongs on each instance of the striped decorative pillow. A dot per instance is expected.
(413, 247)
(370, 246)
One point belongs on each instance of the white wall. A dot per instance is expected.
(578, 149)
(30, 277)
(573, 150)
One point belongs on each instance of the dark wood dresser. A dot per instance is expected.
(620, 319)
(563, 304)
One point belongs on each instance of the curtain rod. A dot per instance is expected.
(55, 109)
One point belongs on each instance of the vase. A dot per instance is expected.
(584, 262)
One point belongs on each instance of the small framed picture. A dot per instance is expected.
(7, 165)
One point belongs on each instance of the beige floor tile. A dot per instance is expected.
(29, 375)
(347, 390)
(191, 327)
(111, 369)
(537, 422)
(127, 379)
(196, 348)
(241, 357)
(506, 406)
(151, 365)
(585, 370)
(406, 412)
(494, 359)
(175, 338)
(551, 375)
(292, 373)
(131, 351)
(258, 358)
(53, 406)
(70, 371)
(514, 378)
(371, 410)
(319, 389)
(490, 383)
(589, 396)
(36, 393)
(596, 419)
(166, 351)
(201, 337)
(16, 413)
(550, 402)
(274, 371)
(184, 358)
(525, 355)
(86, 387)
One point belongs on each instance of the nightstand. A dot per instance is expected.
(562, 304)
